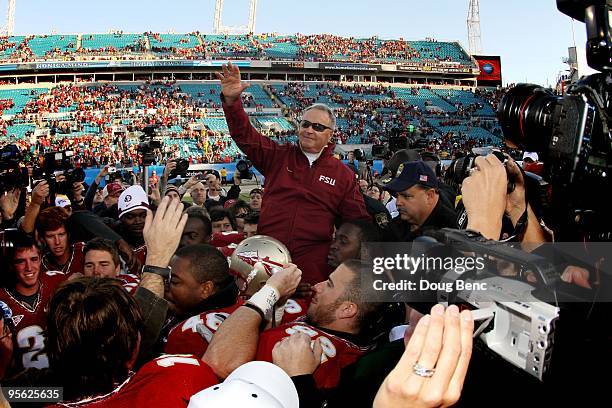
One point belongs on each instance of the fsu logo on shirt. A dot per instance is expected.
(327, 180)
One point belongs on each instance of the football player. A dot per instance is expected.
(61, 256)
(338, 318)
(94, 333)
(201, 294)
(102, 260)
(27, 295)
(253, 261)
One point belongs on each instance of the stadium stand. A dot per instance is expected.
(193, 123)
(189, 112)
(216, 46)
(112, 43)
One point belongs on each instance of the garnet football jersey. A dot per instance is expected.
(337, 352)
(194, 334)
(74, 264)
(294, 309)
(129, 282)
(30, 322)
(167, 381)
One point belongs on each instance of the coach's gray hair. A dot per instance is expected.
(323, 107)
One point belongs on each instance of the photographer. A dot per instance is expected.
(485, 198)
(219, 198)
(93, 188)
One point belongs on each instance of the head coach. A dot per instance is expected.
(307, 189)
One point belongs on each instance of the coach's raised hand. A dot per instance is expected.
(231, 85)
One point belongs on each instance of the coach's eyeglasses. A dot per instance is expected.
(315, 126)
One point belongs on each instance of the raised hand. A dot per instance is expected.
(484, 196)
(40, 192)
(162, 231)
(231, 85)
(9, 201)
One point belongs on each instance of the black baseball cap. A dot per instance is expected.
(413, 172)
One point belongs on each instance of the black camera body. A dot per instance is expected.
(571, 132)
(58, 164)
(148, 145)
(243, 167)
(386, 151)
(12, 175)
(181, 168)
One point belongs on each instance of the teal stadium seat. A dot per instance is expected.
(104, 41)
(180, 41)
(41, 45)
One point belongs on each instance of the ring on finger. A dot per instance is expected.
(422, 371)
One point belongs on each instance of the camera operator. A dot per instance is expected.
(581, 341)
(220, 198)
(110, 195)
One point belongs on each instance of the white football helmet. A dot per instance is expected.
(256, 384)
(255, 259)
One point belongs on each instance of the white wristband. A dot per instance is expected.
(279, 313)
(265, 299)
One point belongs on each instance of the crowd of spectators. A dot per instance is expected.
(84, 119)
(315, 47)
(372, 121)
(327, 47)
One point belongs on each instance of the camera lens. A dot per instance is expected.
(460, 168)
(182, 166)
(78, 175)
(525, 116)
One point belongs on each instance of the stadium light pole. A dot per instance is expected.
(219, 28)
(473, 26)
(218, 13)
(10, 19)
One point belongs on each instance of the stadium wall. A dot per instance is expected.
(139, 70)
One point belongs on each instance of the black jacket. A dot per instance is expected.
(442, 216)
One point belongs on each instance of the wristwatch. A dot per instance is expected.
(163, 272)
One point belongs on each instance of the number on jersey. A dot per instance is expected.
(169, 361)
(197, 325)
(293, 307)
(31, 338)
(329, 350)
